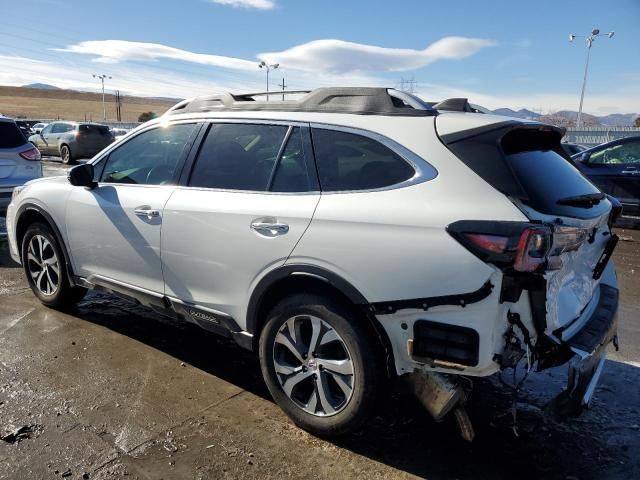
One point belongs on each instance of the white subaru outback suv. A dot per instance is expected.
(347, 237)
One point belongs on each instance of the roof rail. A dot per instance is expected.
(355, 100)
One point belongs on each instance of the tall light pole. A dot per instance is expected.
(268, 67)
(595, 33)
(102, 79)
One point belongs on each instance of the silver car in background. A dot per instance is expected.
(19, 160)
(72, 140)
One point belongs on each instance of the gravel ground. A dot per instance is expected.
(110, 390)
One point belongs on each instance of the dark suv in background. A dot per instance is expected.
(71, 140)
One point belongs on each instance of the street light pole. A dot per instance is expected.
(104, 108)
(595, 33)
(268, 67)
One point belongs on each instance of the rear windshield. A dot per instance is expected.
(94, 129)
(528, 164)
(10, 135)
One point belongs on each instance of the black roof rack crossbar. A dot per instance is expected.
(355, 100)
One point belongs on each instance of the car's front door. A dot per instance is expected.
(616, 170)
(251, 195)
(114, 229)
(41, 139)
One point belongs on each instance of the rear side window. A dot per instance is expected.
(528, 164)
(10, 135)
(94, 129)
(237, 156)
(347, 162)
(61, 127)
(291, 173)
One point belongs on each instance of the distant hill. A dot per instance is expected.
(42, 86)
(522, 113)
(56, 103)
(568, 117)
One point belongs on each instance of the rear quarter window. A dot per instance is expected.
(351, 162)
(11, 136)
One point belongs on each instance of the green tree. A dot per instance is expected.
(146, 116)
(637, 122)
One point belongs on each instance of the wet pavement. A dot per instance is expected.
(111, 390)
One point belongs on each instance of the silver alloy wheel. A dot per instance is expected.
(313, 365)
(65, 154)
(43, 265)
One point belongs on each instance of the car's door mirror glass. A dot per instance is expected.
(82, 176)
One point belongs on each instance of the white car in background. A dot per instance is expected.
(19, 160)
(37, 128)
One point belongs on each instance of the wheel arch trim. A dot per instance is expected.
(32, 207)
(306, 270)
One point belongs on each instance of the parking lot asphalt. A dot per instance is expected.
(112, 390)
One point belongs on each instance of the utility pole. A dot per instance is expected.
(104, 107)
(267, 68)
(118, 106)
(283, 88)
(595, 33)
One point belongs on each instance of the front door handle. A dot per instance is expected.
(147, 211)
(270, 229)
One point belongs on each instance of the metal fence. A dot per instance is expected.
(591, 136)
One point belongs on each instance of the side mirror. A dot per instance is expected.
(584, 157)
(82, 176)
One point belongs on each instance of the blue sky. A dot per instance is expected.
(498, 53)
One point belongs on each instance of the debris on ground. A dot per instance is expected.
(16, 434)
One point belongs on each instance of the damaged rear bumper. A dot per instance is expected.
(588, 346)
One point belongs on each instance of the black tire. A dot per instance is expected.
(363, 351)
(63, 295)
(66, 155)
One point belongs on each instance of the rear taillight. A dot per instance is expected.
(33, 154)
(523, 247)
(532, 249)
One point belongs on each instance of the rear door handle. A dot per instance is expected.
(270, 229)
(147, 211)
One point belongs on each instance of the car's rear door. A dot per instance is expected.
(114, 229)
(616, 170)
(248, 199)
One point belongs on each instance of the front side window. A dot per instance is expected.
(347, 161)
(625, 154)
(237, 156)
(58, 128)
(150, 158)
(46, 130)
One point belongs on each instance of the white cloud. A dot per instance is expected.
(257, 4)
(326, 56)
(114, 51)
(338, 56)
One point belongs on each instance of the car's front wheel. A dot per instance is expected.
(44, 267)
(320, 364)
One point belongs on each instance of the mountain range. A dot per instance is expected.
(562, 117)
(613, 119)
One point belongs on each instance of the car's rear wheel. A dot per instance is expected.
(320, 364)
(65, 155)
(44, 267)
